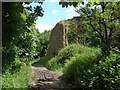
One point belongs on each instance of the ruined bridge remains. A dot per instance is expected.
(58, 37)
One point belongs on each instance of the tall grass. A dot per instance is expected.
(18, 79)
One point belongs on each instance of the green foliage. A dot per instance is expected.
(18, 79)
(19, 39)
(11, 13)
(19, 42)
(84, 71)
(23, 48)
(69, 52)
(54, 65)
(115, 40)
(44, 60)
(22, 43)
(68, 3)
(73, 36)
(43, 43)
(77, 70)
(12, 65)
(107, 74)
(101, 22)
(91, 39)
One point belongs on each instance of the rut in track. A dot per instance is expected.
(43, 78)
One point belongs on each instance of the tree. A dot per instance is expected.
(101, 19)
(14, 23)
(43, 44)
(19, 35)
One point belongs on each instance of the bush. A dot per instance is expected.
(83, 72)
(44, 60)
(73, 49)
(67, 53)
(52, 64)
(107, 74)
(19, 79)
(77, 70)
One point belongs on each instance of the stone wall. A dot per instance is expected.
(58, 38)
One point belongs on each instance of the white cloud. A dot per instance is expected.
(54, 11)
(70, 13)
(43, 27)
(72, 9)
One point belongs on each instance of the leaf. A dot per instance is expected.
(93, 3)
(98, 2)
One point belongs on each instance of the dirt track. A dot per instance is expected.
(42, 78)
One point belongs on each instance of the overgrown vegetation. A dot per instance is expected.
(90, 68)
(102, 20)
(19, 42)
(65, 55)
(18, 79)
(84, 66)
(43, 43)
(83, 72)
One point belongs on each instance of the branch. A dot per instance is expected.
(103, 5)
(111, 31)
(95, 28)
(110, 34)
(105, 29)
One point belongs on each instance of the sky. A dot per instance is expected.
(53, 13)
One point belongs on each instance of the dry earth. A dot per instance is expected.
(44, 79)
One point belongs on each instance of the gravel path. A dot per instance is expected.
(44, 79)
